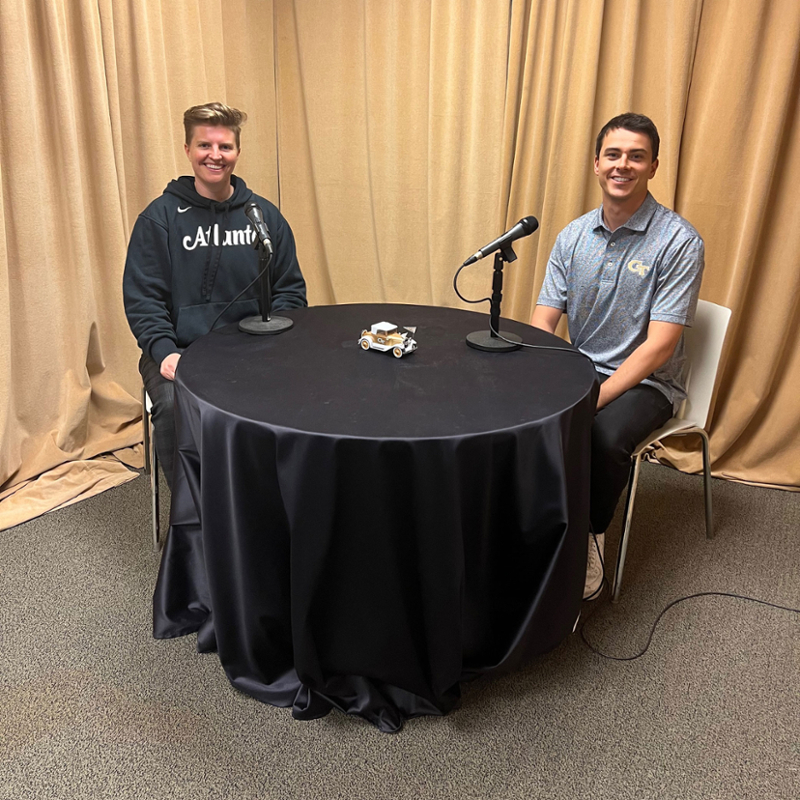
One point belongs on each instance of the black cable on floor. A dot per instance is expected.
(674, 603)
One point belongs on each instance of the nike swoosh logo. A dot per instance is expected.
(184, 210)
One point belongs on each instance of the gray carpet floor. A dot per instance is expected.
(91, 706)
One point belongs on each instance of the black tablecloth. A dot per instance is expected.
(354, 530)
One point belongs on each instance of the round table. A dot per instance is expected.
(353, 530)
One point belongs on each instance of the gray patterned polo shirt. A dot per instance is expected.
(611, 284)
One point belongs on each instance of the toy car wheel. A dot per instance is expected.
(398, 352)
(364, 344)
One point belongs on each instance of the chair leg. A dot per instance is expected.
(633, 482)
(707, 484)
(154, 497)
(146, 432)
(151, 468)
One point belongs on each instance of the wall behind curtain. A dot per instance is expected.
(401, 137)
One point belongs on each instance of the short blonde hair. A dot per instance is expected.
(214, 114)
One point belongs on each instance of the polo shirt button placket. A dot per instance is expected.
(608, 272)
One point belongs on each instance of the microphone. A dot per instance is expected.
(263, 323)
(525, 227)
(253, 212)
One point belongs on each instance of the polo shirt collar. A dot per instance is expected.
(638, 222)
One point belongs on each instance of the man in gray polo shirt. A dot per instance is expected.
(627, 275)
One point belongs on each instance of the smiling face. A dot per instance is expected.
(213, 154)
(624, 167)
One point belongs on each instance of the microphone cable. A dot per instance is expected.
(263, 270)
(509, 341)
(461, 296)
(653, 627)
(540, 346)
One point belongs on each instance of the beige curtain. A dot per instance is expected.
(65, 350)
(391, 122)
(739, 173)
(397, 137)
(93, 93)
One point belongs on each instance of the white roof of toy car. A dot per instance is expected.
(386, 327)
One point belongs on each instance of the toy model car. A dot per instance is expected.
(385, 336)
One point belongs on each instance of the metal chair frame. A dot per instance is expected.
(704, 344)
(151, 465)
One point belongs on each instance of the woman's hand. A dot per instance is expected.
(169, 365)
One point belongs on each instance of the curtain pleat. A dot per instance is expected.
(398, 138)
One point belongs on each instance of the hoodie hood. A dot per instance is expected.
(183, 188)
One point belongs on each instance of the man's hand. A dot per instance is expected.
(169, 365)
(654, 352)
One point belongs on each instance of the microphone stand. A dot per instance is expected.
(489, 340)
(265, 324)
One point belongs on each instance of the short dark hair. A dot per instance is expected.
(215, 115)
(638, 123)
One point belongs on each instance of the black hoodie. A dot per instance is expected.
(189, 256)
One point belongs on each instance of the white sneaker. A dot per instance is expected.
(594, 566)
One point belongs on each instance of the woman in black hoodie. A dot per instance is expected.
(191, 252)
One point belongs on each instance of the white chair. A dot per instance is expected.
(151, 464)
(703, 344)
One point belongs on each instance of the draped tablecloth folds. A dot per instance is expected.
(358, 531)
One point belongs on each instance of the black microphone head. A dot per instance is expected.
(253, 208)
(529, 224)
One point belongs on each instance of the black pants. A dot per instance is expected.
(617, 429)
(162, 394)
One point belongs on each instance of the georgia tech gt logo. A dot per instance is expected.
(637, 266)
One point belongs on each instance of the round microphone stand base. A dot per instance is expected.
(258, 326)
(485, 340)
